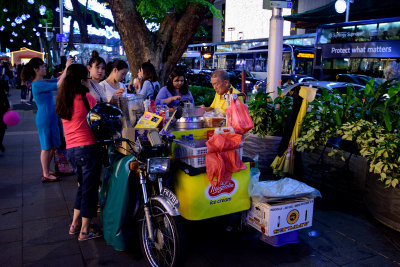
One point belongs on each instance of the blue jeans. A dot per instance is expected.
(87, 167)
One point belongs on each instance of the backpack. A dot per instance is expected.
(156, 89)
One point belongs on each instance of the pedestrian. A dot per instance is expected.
(148, 84)
(81, 146)
(4, 107)
(5, 77)
(177, 89)
(97, 69)
(113, 83)
(46, 117)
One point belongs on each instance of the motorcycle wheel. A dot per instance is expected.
(167, 248)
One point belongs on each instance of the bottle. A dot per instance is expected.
(191, 142)
(152, 107)
(183, 139)
(166, 109)
(158, 106)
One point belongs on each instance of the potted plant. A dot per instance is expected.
(269, 117)
(371, 118)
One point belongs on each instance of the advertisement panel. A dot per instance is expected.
(362, 50)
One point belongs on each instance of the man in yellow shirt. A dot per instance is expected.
(222, 86)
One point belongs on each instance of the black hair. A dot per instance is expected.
(149, 72)
(96, 59)
(118, 64)
(28, 71)
(71, 86)
(177, 72)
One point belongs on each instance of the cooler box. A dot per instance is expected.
(201, 201)
(283, 217)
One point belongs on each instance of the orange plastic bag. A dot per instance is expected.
(238, 117)
(222, 159)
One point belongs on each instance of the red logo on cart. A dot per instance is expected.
(225, 189)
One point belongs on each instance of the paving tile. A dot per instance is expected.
(11, 254)
(95, 248)
(12, 198)
(117, 259)
(44, 231)
(336, 247)
(51, 207)
(56, 249)
(11, 235)
(10, 218)
(368, 232)
(374, 261)
(64, 261)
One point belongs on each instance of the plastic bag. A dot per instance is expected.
(283, 188)
(238, 117)
(222, 159)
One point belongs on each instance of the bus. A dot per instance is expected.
(252, 55)
(369, 47)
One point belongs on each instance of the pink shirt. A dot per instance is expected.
(77, 131)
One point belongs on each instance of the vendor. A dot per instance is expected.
(176, 90)
(221, 84)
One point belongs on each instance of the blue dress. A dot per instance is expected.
(46, 117)
(164, 93)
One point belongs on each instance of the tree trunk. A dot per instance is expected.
(70, 45)
(164, 47)
(81, 19)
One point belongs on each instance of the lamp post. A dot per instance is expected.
(342, 6)
(61, 27)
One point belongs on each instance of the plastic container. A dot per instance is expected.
(196, 156)
(282, 239)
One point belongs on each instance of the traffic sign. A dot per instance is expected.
(270, 4)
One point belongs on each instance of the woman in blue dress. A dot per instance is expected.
(176, 90)
(46, 117)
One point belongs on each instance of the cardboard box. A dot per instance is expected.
(282, 217)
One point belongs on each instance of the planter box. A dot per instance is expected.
(358, 167)
(266, 148)
(382, 202)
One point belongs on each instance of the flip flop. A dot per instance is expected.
(74, 229)
(92, 234)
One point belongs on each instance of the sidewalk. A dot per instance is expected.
(34, 219)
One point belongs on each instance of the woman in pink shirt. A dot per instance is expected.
(82, 151)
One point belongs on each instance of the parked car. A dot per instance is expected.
(286, 80)
(355, 78)
(251, 80)
(199, 79)
(330, 86)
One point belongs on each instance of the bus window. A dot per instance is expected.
(366, 33)
(389, 31)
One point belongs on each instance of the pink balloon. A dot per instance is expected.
(11, 118)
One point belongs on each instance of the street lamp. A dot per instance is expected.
(342, 6)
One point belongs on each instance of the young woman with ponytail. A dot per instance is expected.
(81, 146)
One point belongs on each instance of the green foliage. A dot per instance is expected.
(202, 95)
(156, 10)
(269, 116)
(370, 117)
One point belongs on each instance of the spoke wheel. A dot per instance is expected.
(166, 249)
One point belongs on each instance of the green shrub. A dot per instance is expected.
(202, 95)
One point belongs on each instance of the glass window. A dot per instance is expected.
(389, 31)
(366, 33)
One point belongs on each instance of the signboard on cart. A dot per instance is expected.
(270, 4)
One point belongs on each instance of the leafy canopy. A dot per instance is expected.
(153, 11)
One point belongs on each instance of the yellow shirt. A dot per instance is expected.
(219, 101)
